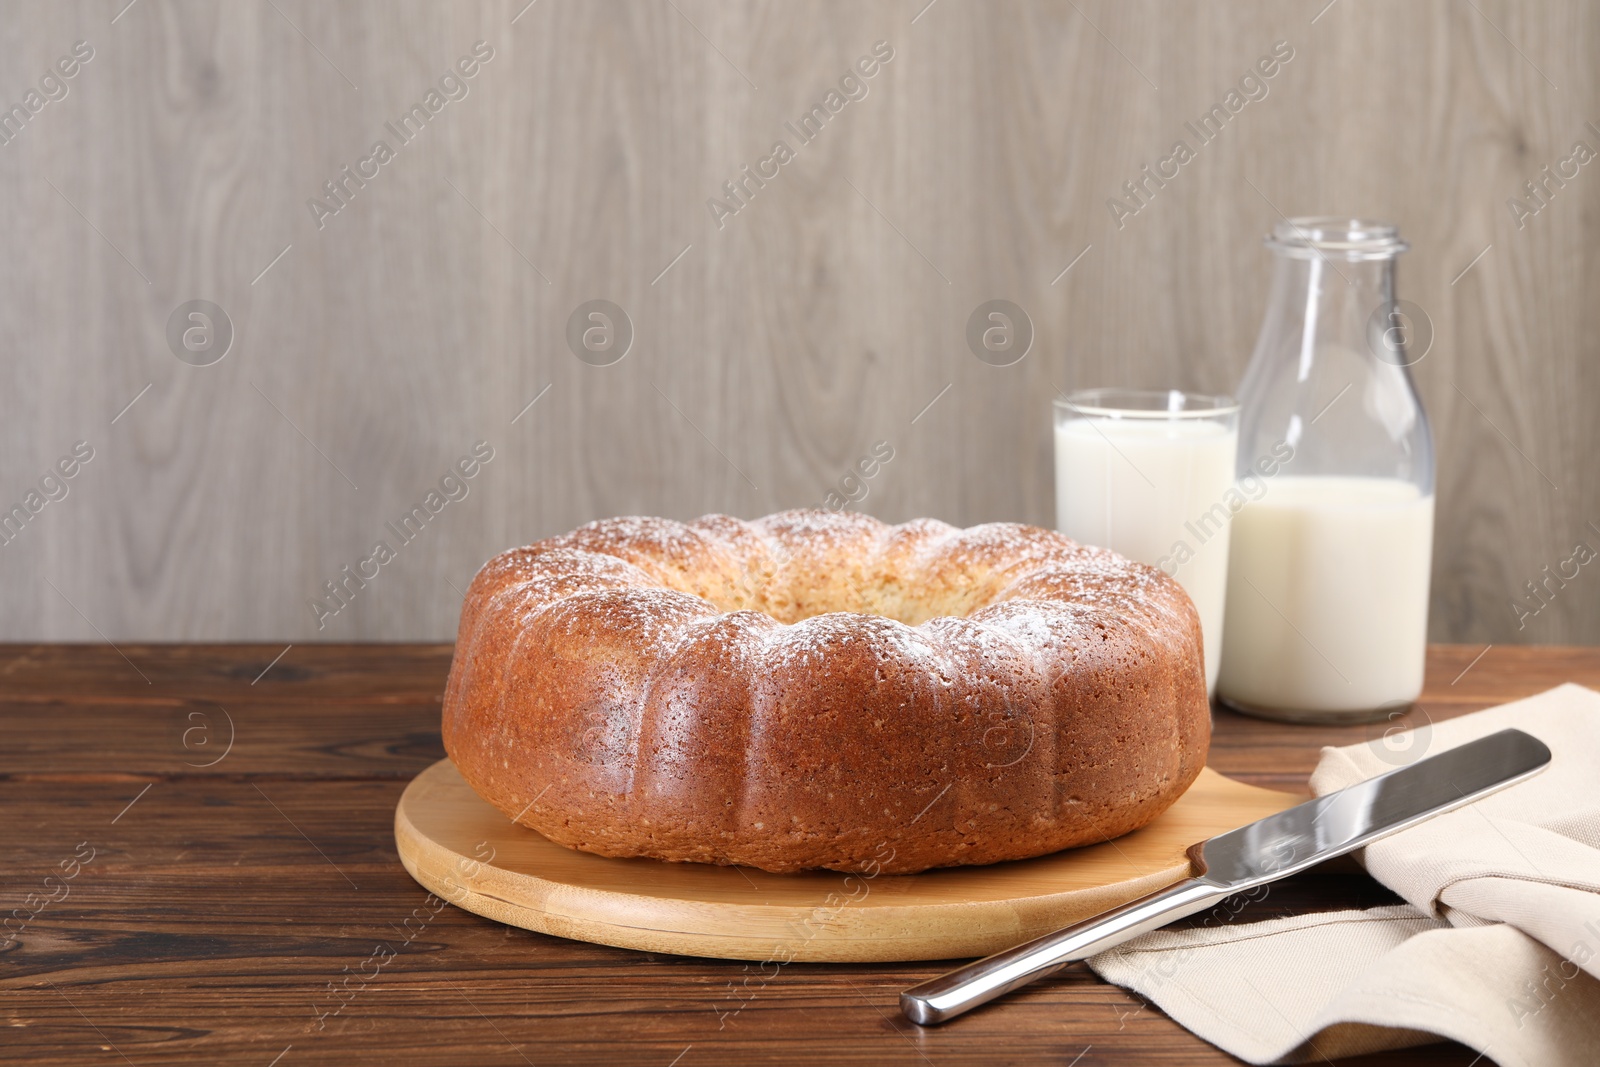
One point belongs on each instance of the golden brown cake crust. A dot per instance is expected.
(815, 689)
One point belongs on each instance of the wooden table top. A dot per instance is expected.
(219, 891)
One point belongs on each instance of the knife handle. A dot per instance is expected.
(964, 988)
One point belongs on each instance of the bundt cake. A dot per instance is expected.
(819, 689)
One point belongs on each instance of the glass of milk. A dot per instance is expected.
(1150, 474)
(1327, 606)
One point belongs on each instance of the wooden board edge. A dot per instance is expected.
(836, 939)
(836, 934)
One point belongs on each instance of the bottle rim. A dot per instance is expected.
(1115, 403)
(1336, 236)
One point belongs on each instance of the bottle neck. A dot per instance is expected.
(1329, 379)
(1329, 300)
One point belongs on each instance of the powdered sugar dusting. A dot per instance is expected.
(831, 577)
(652, 617)
(811, 639)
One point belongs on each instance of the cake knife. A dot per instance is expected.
(1264, 851)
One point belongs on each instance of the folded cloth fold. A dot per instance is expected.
(1498, 946)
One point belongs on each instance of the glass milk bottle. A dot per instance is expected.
(1327, 603)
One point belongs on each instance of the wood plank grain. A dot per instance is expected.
(384, 673)
(825, 315)
(209, 923)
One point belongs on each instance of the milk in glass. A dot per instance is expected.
(1147, 475)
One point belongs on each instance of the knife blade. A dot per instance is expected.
(1264, 851)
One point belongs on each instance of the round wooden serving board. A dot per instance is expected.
(468, 853)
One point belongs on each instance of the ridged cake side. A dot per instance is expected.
(815, 689)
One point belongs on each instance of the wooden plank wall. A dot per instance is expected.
(771, 351)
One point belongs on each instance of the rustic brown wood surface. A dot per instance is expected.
(228, 836)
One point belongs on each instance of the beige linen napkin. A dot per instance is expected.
(1498, 945)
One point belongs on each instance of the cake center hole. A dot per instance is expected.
(802, 593)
